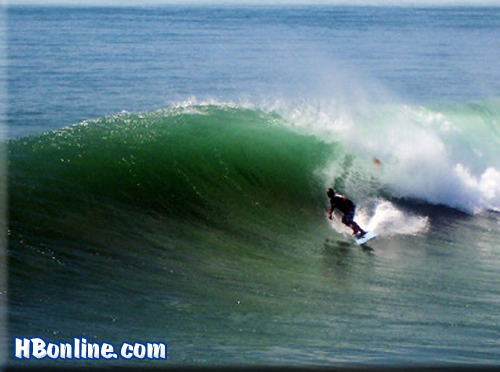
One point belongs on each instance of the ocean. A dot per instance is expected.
(167, 169)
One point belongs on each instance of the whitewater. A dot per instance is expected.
(167, 174)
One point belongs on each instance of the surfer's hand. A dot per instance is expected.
(329, 216)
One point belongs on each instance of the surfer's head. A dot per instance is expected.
(330, 192)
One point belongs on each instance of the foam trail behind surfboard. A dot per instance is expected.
(388, 220)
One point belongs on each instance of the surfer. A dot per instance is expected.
(348, 208)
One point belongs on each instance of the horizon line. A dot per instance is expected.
(343, 3)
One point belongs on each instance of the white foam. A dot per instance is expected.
(483, 191)
(388, 220)
(423, 154)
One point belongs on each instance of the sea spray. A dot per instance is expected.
(443, 155)
(388, 220)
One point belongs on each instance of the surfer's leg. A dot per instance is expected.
(347, 220)
(358, 229)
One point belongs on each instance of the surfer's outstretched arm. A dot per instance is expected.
(332, 208)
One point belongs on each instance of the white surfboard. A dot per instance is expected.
(367, 237)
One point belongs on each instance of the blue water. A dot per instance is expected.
(67, 65)
(167, 169)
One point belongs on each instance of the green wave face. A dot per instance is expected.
(208, 163)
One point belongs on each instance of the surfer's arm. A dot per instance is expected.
(332, 207)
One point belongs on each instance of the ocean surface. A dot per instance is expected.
(167, 169)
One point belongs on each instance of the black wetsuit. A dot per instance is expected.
(344, 205)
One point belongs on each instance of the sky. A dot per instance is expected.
(262, 2)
